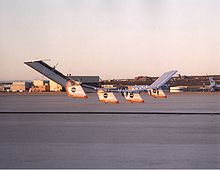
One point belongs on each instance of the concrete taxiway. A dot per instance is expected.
(109, 141)
(59, 102)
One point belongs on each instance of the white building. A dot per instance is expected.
(20, 86)
(54, 86)
(177, 89)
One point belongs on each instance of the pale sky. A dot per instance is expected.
(110, 38)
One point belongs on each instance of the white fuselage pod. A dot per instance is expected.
(75, 90)
(133, 97)
(157, 93)
(107, 97)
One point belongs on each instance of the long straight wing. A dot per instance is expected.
(162, 79)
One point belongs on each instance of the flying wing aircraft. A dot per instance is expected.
(213, 85)
(75, 88)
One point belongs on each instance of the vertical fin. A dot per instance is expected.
(133, 97)
(75, 90)
(157, 93)
(107, 97)
(212, 82)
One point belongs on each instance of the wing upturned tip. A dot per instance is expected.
(163, 79)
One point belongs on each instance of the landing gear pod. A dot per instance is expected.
(107, 97)
(133, 97)
(157, 93)
(75, 90)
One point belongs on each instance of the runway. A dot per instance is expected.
(109, 141)
(54, 131)
(50, 102)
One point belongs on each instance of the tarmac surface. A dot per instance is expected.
(59, 102)
(41, 139)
